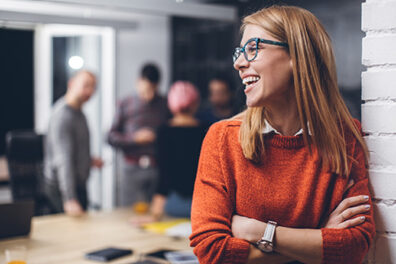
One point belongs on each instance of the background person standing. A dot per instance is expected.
(221, 102)
(134, 133)
(67, 152)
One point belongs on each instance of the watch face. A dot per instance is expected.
(265, 246)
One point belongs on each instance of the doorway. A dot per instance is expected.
(63, 50)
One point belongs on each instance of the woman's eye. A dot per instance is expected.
(250, 49)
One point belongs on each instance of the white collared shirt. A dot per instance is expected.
(268, 129)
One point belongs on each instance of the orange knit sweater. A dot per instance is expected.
(289, 187)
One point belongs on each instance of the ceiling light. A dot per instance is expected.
(76, 62)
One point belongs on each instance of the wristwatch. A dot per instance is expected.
(266, 243)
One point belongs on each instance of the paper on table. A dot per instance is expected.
(162, 227)
(180, 230)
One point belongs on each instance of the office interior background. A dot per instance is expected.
(37, 59)
(189, 40)
(43, 42)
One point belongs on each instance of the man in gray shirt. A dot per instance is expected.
(67, 157)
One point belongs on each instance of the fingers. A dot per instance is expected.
(352, 222)
(350, 212)
(351, 201)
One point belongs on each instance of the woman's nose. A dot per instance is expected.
(240, 62)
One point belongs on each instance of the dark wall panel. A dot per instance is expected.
(16, 82)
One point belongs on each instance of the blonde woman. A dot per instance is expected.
(286, 180)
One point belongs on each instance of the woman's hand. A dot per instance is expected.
(247, 228)
(342, 216)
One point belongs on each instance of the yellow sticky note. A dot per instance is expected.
(161, 227)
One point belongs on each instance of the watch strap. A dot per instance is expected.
(269, 232)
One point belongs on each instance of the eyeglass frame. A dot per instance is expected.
(258, 41)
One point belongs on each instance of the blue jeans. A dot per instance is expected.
(177, 205)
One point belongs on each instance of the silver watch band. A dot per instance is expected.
(266, 243)
(269, 232)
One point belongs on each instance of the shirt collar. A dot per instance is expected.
(268, 129)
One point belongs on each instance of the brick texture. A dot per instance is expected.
(382, 151)
(385, 249)
(379, 84)
(385, 217)
(382, 183)
(379, 120)
(379, 50)
(378, 15)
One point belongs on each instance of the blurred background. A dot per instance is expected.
(42, 43)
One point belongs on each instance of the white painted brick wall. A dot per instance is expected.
(384, 82)
(385, 252)
(382, 151)
(379, 120)
(385, 216)
(382, 183)
(378, 15)
(379, 49)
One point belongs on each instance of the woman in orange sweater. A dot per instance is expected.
(286, 180)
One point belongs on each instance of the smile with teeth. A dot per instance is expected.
(250, 80)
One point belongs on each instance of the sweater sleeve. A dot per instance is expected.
(352, 244)
(63, 153)
(118, 137)
(212, 208)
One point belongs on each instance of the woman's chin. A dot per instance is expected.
(250, 103)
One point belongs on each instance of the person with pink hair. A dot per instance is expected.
(183, 101)
(178, 147)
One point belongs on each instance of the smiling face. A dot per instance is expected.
(268, 79)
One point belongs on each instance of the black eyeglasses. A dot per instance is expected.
(250, 49)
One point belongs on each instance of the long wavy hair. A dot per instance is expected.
(319, 102)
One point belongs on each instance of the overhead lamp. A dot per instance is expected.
(76, 62)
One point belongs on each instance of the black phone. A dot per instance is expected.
(107, 254)
(159, 253)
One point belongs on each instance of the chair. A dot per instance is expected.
(25, 155)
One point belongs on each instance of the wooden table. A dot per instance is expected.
(60, 239)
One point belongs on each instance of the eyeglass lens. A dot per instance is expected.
(249, 50)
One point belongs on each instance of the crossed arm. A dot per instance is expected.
(304, 245)
(343, 238)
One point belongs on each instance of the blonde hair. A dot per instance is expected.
(319, 102)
